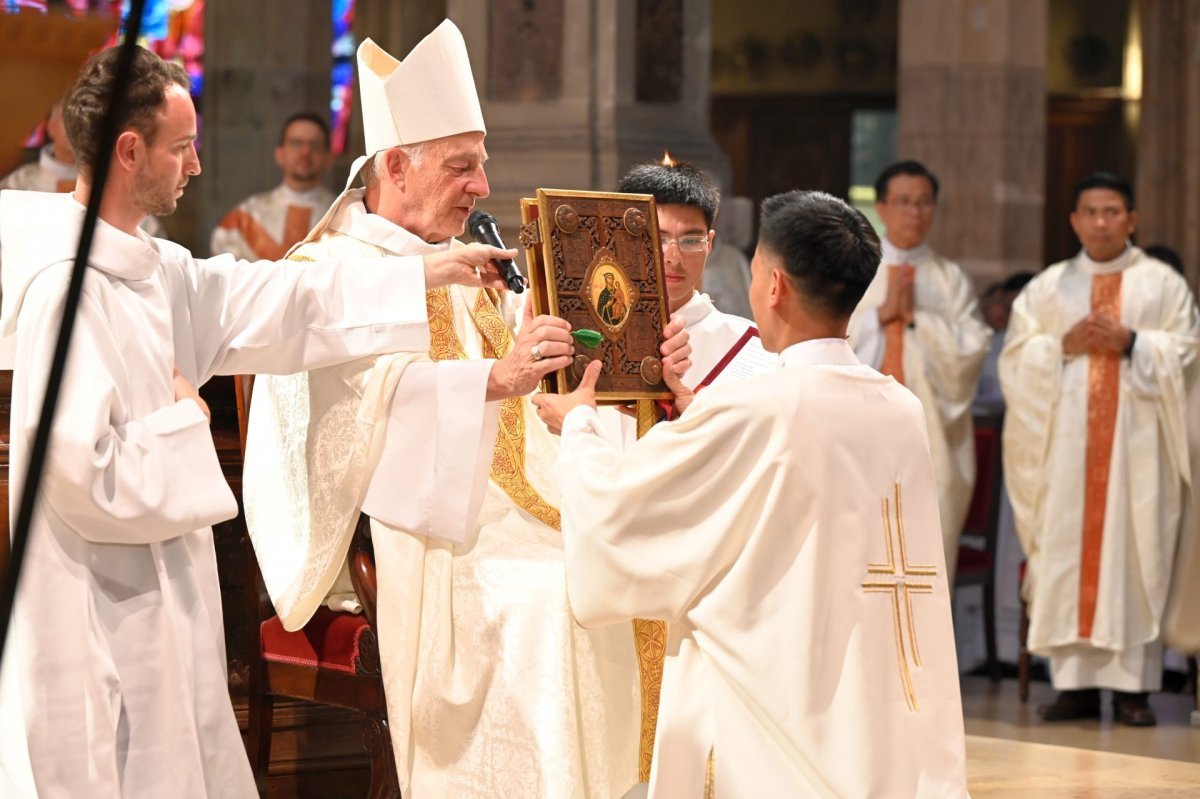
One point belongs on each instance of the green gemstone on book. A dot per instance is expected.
(588, 338)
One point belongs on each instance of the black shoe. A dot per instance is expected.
(1072, 705)
(1133, 710)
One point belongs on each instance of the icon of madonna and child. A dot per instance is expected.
(612, 301)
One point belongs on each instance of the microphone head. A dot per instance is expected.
(478, 219)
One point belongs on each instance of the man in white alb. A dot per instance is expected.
(266, 225)
(114, 678)
(786, 527)
(1096, 369)
(919, 322)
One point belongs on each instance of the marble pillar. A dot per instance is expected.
(972, 108)
(1168, 152)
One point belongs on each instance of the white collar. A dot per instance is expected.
(308, 197)
(835, 351)
(891, 254)
(354, 220)
(41, 229)
(1093, 267)
(56, 168)
(695, 309)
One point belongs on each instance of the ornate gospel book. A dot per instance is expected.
(594, 260)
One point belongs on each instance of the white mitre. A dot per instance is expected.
(429, 95)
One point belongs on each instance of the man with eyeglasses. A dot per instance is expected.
(266, 225)
(687, 201)
(919, 322)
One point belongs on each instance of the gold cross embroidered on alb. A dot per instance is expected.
(895, 578)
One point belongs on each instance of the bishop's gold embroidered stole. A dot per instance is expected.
(508, 455)
(508, 472)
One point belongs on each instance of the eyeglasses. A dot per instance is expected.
(905, 204)
(317, 146)
(695, 243)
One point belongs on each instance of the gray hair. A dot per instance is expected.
(373, 170)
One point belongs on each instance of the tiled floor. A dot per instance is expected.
(1010, 752)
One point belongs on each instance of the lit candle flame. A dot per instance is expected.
(667, 160)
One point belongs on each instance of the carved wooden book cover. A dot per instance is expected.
(594, 260)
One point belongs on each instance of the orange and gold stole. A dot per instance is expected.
(893, 335)
(295, 228)
(1104, 384)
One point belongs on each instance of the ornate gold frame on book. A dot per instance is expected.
(594, 259)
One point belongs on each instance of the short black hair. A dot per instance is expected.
(1167, 255)
(1104, 180)
(679, 183)
(304, 116)
(915, 168)
(828, 248)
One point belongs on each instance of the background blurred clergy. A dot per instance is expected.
(919, 322)
(492, 687)
(1095, 373)
(786, 527)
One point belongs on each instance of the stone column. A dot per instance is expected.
(574, 93)
(1168, 157)
(972, 107)
(256, 76)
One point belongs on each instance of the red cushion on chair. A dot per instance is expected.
(329, 640)
(971, 560)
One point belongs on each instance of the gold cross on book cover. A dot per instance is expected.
(594, 260)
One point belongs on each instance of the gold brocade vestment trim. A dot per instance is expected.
(508, 472)
(508, 454)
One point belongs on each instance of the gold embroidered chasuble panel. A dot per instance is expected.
(508, 455)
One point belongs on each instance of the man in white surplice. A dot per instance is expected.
(786, 527)
(492, 688)
(687, 201)
(1095, 372)
(919, 322)
(114, 681)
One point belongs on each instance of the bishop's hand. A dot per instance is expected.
(469, 265)
(553, 408)
(544, 345)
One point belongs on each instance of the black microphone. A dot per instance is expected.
(483, 229)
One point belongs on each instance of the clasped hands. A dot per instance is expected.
(899, 302)
(676, 351)
(1096, 332)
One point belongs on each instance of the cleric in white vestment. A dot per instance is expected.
(786, 528)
